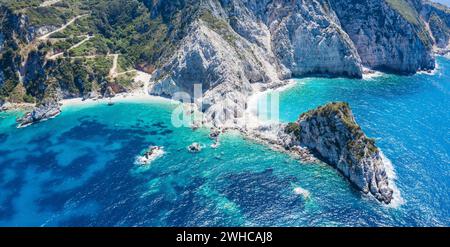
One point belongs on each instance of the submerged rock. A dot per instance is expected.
(41, 113)
(151, 154)
(333, 135)
(302, 192)
(195, 148)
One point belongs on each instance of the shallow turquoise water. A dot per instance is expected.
(78, 169)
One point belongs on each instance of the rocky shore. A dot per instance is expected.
(7, 106)
(40, 113)
(330, 134)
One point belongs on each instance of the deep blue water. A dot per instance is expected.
(78, 169)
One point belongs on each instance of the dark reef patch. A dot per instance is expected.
(42, 161)
(9, 192)
(260, 195)
(42, 140)
(106, 187)
(188, 211)
(3, 137)
(78, 167)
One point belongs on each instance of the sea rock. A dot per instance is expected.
(40, 113)
(195, 148)
(214, 134)
(333, 135)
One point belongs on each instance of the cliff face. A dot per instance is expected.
(438, 18)
(389, 34)
(232, 44)
(332, 134)
(305, 36)
(226, 46)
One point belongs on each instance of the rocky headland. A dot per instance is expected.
(330, 134)
(40, 113)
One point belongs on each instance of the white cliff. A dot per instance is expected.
(232, 44)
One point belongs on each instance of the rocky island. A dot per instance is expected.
(330, 134)
(333, 135)
(44, 111)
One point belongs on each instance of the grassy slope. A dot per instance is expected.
(411, 15)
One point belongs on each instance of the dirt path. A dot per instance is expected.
(55, 56)
(46, 36)
(126, 72)
(81, 42)
(49, 3)
(113, 72)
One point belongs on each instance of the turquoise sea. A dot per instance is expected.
(78, 169)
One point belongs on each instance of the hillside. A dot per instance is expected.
(51, 50)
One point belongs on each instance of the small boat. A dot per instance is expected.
(152, 153)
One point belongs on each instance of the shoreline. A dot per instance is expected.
(16, 106)
(119, 98)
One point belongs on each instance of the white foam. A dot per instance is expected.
(300, 191)
(397, 199)
(432, 72)
(371, 74)
(143, 161)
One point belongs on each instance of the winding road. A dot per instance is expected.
(46, 36)
(55, 56)
(49, 3)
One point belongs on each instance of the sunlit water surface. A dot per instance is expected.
(78, 169)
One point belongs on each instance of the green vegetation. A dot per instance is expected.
(20, 4)
(404, 8)
(79, 76)
(125, 80)
(362, 147)
(219, 26)
(410, 14)
(64, 44)
(125, 27)
(124, 64)
(81, 26)
(341, 109)
(293, 128)
(42, 16)
(95, 46)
